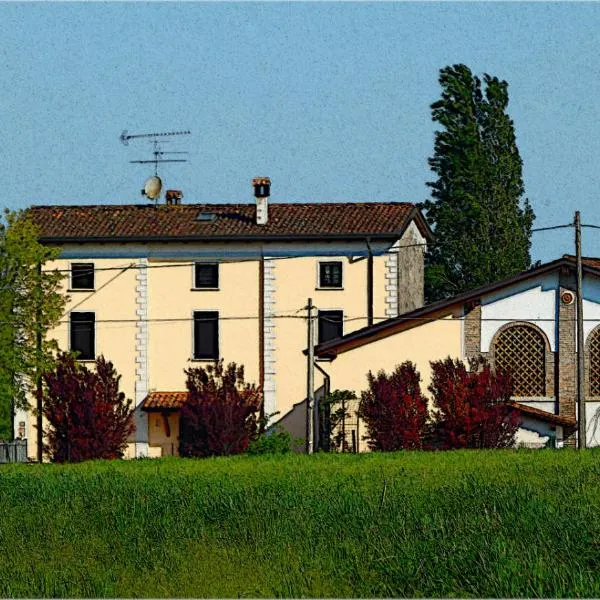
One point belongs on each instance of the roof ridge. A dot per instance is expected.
(223, 204)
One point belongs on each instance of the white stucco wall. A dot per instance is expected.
(591, 305)
(592, 418)
(533, 433)
(532, 300)
(547, 405)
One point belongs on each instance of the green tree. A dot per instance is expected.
(30, 305)
(481, 220)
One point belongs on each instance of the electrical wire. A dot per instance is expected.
(379, 320)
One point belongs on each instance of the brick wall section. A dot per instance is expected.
(567, 358)
(550, 373)
(472, 332)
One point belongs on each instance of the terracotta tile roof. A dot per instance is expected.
(164, 401)
(140, 222)
(543, 415)
(590, 261)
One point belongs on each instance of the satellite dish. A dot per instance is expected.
(152, 187)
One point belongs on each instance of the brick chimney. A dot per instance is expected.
(173, 196)
(262, 190)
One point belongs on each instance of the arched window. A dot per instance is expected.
(594, 354)
(522, 351)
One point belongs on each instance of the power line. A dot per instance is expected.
(474, 239)
(552, 228)
(301, 317)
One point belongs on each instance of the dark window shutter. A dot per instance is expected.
(331, 325)
(330, 274)
(206, 335)
(82, 276)
(83, 335)
(206, 275)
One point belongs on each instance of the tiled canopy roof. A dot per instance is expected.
(543, 415)
(140, 222)
(156, 401)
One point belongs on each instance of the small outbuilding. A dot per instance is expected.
(525, 323)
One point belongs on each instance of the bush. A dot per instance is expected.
(221, 414)
(394, 410)
(89, 418)
(275, 441)
(471, 406)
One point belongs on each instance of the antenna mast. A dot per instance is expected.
(153, 185)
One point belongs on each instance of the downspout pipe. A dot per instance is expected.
(322, 444)
(369, 284)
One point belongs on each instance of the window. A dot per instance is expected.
(82, 276)
(330, 274)
(594, 350)
(206, 335)
(522, 351)
(206, 276)
(83, 335)
(331, 325)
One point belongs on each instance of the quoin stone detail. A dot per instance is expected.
(141, 358)
(269, 337)
(391, 282)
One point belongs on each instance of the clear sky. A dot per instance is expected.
(330, 100)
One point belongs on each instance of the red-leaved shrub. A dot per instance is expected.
(470, 406)
(394, 410)
(87, 415)
(221, 414)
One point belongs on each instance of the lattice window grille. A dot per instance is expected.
(522, 351)
(594, 349)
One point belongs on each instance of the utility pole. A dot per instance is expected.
(38, 374)
(580, 347)
(310, 382)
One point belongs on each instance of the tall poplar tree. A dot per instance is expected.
(31, 304)
(481, 220)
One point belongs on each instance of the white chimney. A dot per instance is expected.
(262, 190)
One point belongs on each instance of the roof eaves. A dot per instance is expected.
(417, 215)
(215, 238)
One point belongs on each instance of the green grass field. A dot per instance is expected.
(490, 523)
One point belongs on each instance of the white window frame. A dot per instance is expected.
(71, 288)
(327, 288)
(206, 289)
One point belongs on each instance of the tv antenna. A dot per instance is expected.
(153, 185)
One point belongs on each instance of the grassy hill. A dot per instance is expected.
(488, 524)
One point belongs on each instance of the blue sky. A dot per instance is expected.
(330, 100)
